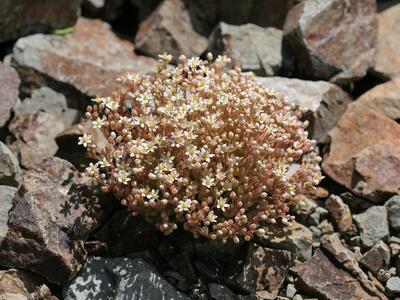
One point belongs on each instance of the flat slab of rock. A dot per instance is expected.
(387, 62)
(10, 172)
(325, 102)
(364, 154)
(53, 209)
(120, 278)
(9, 84)
(318, 33)
(168, 29)
(19, 17)
(84, 63)
(257, 49)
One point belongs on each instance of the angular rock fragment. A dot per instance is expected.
(377, 258)
(340, 213)
(7, 194)
(9, 85)
(20, 18)
(220, 292)
(34, 135)
(10, 172)
(168, 29)
(84, 63)
(318, 34)
(120, 278)
(257, 49)
(325, 102)
(53, 209)
(393, 209)
(393, 285)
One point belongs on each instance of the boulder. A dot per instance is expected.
(9, 85)
(20, 18)
(377, 258)
(318, 34)
(168, 29)
(364, 154)
(257, 49)
(340, 213)
(324, 102)
(10, 172)
(393, 210)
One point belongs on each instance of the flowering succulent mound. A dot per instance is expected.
(204, 147)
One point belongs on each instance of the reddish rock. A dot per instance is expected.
(364, 154)
(35, 137)
(339, 212)
(318, 33)
(86, 62)
(20, 17)
(168, 29)
(377, 258)
(9, 84)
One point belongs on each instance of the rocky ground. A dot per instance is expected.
(61, 238)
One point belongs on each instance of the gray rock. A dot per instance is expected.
(257, 49)
(168, 29)
(316, 233)
(47, 100)
(340, 213)
(393, 210)
(118, 279)
(9, 85)
(318, 215)
(324, 102)
(290, 290)
(393, 285)
(373, 225)
(220, 292)
(378, 257)
(326, 227)
(6, 199)
(10, 172)
(295, 238)
(20, 17)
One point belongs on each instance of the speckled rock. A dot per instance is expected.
(393, 209)
(9, 84)
(7, 194)
(10, 172)
(340, 213)
(377, 258)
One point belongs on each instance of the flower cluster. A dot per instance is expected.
(204, 146)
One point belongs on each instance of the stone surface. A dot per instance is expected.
(9, 84)
(168, 29)
(318, 216)
(34, 135)
(295, 238)
(54, 208)
(145, 7)
(19, 17)
(119, 278)
(49, 101)
(84, 63)
(364, 154)
(340, 213)
(318, 34)
(321, 277)
(324, 102)
(220, 292)
(262, 272)
(387, 62)
(393, 210)
(7, 194)
(373, 225)
(378, 257)
(393, 285)
(383, 98)
(257, 49)
(10, 172)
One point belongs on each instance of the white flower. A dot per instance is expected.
(206, 155)
(98, 100)
(221, 204)
(104, 163)
(92, 169)
(98, 123)
(85, 140)
(211, 217)
(165, 57)
(145, 98)
(192, 152)
(153, 195)
(208, 181)
(194, 62)
(184, 205)
(123, 176)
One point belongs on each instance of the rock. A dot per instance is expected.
(10, 172)
(84, 63)
(34, 134)
(387, 62)
(145, 7)
(326, 227)
(262, 272)
(257, 49)
(393, 209)
(334, 55)
(373, 225)
(119, 278)
(364, 154)
(356, 203)
(182, 264)
(295, 238)
(20, 18)
(340, 213)
(316, 233)
(49, 101)
(383, 98)
(393, 285)
(378, 257)
(290, 290)
(323, 101)
(54, 209)
(6, 199)
(318, 215)
(168, 29)
(9, 85)
(220, 292)
(321, 277)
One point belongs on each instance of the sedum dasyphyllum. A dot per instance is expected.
(203, 146)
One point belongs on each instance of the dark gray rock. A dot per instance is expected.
(378, 257)
(220, 292)
(10, 172)
(6, 199)
(318, 216)
(118, 279)
(393, 210)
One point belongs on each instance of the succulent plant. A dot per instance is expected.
(202, 145)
